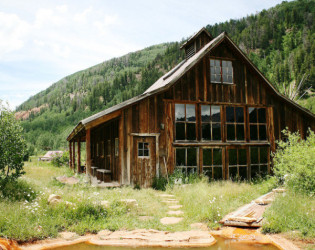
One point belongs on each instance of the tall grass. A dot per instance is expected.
(209, 202)
(292, 212)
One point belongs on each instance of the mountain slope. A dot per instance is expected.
(280, 41)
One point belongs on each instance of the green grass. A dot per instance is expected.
(291, 213)
(28, 216)
(209, 202)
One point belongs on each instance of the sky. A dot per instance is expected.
(42, 41)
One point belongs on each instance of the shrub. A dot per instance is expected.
(159, 183)
(12, 147)
(294, 162)
(60, 159)
(18, 191)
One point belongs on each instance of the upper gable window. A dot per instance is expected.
(221, 71)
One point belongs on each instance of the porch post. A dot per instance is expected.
(79, 155)
(70, 155)
(73, 154)
(88, 152)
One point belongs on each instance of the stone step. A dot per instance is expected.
(171, 220)
(177, 212)
(175, 207)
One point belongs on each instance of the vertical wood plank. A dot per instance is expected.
(73, 159)
(88, 151)
(79, 155)
(70, 155)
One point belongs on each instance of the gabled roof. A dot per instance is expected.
(173, 75)
(203, 29)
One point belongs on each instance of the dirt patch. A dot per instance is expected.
(68, 180)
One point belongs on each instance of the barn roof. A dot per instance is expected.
(203, 29)
(173, 75)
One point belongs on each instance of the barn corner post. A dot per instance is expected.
(73, 156)
(88, 153)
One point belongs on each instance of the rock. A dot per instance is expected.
(68, 235)
(69, 204)
(178, 212)
(67, 180)
(175, 207)
(279, 190)
(170, 202)
(170, 220)
(54, 199)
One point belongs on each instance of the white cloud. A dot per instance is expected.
(12, 33)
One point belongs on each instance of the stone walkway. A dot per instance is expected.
(170, 200)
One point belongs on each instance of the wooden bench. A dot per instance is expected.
(93, 170)
(104, 172)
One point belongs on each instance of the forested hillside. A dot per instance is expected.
(280, 41)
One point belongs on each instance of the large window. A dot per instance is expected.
(210, 123)
(212, 163)
(257, 124)
(186, 160)
(235, 128)
(221, 71)
(237, 163)
(259, 161)
(185, 122)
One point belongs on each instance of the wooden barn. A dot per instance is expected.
(214, 113)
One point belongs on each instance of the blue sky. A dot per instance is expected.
(42, 41)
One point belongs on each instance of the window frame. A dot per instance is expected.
(185, 122)
(211, 123)
(235, 124)
(257, 124)
(238, 164)
(212, 165)
(143, 149)
(221, 70)
(185, 167)
(259, 164)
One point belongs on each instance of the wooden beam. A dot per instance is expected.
(73, 155)
(103, 119)
(70, 155)
(121, 154)
(88, 152)
(79, 156)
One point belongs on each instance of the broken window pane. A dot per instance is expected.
(191, 157)
(206, 131)
(252, 115)
(191, 131)
(232, 157)
(180, 156)
(207, 157)
(230, 114)
(180, 131)
(216, 131)
(262, 115)
(208, 172)
(217, 157)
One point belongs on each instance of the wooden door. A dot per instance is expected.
(144, 169)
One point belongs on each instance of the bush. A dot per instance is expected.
(12, 147)
(159, 183)
(18, 191)
(60, 159)
(294, 162)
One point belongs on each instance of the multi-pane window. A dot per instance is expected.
(221, 71)
(143, 149)
(235, 128)
(210, 123)
(259, 161)
(186, 160)
(212, 163)
(257, 124)
(185, 122)
(237, 163)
